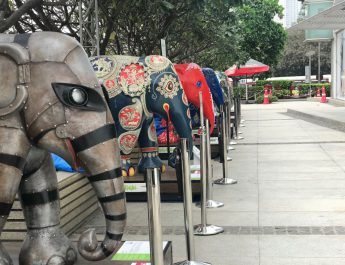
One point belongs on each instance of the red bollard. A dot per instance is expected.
(266, 99)
(318, 93)
(323, 98)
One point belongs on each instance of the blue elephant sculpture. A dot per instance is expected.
(135, 88)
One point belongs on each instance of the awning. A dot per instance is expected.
(332, 18)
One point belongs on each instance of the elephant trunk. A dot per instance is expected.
(96, 152)
(180, 118)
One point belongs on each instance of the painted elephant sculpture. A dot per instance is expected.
(215, 87)
(193, 81)
(51, 102)
(135, 88)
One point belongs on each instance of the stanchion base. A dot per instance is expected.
(242, 125)
(229, 158)
(233, 143)
(240, 132)
(238, 138)
(242, 121)
(230, 148)
(225, 181)
(187, 262)
(211, 204)
(200, 230)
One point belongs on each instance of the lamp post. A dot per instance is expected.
(308, 75)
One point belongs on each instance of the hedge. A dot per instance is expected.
(260, 99)
(278, 84)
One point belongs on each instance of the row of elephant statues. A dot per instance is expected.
(53, 100)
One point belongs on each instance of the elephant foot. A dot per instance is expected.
(47, 246)
(150, 161)
(128, 173)
(163, 168)
(4, 257)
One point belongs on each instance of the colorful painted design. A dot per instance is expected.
(130, 118)
(128, 140)
(102, 66)
(193, 66)
(157, 62)
(133, 80)
(184, 98)
(152, 133)
(168, 86)
(188, 113)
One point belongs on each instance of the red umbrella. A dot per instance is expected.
(251, 67)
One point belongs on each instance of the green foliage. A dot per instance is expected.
(294, 57)
(279, 84)
(263, 38)
(281, 93)
(304, 88)
(260, 99)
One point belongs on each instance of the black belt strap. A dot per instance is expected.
(5, 208)
(111, 174)
(119, 217)
(112, 198)
(114, 236)
(39, 197)
(13, 160)
(93, 138)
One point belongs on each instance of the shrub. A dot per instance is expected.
(304, 88)
(260, 99)
(278, 84)
(281, 93)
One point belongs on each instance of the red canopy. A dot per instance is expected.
(250, 68)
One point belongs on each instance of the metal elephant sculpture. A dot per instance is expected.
(51, 102)
(193, 82)
(135, 88)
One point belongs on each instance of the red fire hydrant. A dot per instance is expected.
(323, 98)
(266, 99)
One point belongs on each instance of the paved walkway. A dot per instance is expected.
(288, 207)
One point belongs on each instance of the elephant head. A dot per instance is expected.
(135, 88)
(54, 102)
(193, 81)
(214, 85)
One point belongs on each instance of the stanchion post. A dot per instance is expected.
(210, 203)
(204, 229)
(154, 215)
(236, 123)
(187, 201)
(225, 180)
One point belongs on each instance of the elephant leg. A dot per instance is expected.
(13, 150)
(149, 147)
(45, 243)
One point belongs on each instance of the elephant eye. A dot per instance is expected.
(78, 96)
(198, 84)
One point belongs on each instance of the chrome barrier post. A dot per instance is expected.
(187, 203)
(237, 118)
(209, 202)
(204, 229)
(225, 180)
(154, 215)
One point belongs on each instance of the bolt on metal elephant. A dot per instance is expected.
(51, 102)
(135, 88)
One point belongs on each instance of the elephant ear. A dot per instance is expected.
(14, 67)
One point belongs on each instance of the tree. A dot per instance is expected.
(295, 59)
(263, 38)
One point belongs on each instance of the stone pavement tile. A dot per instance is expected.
(310, 246)
(301, 261)
(308, 218)
(301, 205)
(271, 175)
(337, 184)
(294, 194)
(324, 166)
